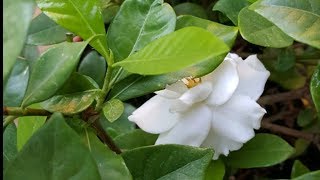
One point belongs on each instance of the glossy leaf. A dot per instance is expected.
(298, 169)
(193, 9)
(136, 85)
(27, 126)
(168, 162)
(122, 125)
(300, 146)
(16, 19)
(44, 31)
(53, 152)
(94, 66)
(108, 13)
(137, 24)
(81, 17)
(258, 30)
(134, 139)
(113, 109)
(226, 33)
(175, 51)
(110, 165)
(70, 103)
(314, 175)
(230, 8)
(315, 88)
(51, 70)
(30, 53)
(261, 151)
(77, 83)
(286, 60)
(299, 19)
(305, 117)
(14, 89)
(9, 149)
(215, 171)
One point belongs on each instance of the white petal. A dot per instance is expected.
(253, 77)
(233, 56)
(154, 115)
(192, 128)
(220, 144)
(173, 91)
(197, 93)
(236, 118)
(224, 80)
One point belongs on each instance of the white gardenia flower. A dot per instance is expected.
(218, 111)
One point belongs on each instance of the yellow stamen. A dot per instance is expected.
(191, 82)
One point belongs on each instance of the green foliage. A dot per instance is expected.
(53, 152)
(305, 117)
(231, 8)
(315, 88)
(298, 19)
(9, 149)
(44, 31)
(168, 162)
(81, 17)
(188, 46)
(190, 9)
(310, 176)
(51, 70)
(113, 109)
(215, 171)
(16, 19)
(261, 151)
(298, 169)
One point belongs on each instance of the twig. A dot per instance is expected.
(8, 120)
(17, 111)
(315, 138)
(279, 116)
(275, 98)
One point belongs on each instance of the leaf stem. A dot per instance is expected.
(18, 111)
(8, 120)
(106, 84)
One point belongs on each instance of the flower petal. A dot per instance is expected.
(197, 93)
(173, 91)
(253, 76)
(224, 80)
(237, 117)
(220, 144)
(192, 128)
(154, 115)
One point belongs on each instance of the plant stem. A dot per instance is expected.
(8, 120)
(17, 111)
(275, 98)
(105, 89)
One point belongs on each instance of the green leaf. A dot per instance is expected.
(168, 162)
(258, 30)
(298, 169)
(14, 89)
(314, 175)
(51, 70)
(122, 125)
(137, 24)
(30, 53)
(215, 171)
(136, 85)
(134, 139)
(315, 88)
(305, 117)
(175, 51)
(9, 149)
(77, 83)
(81, 17)
(113, 109)
(299, 19)
(109, 12)
(27, 126)
(94, 66)
(16, 19)
(44, 31)
(230, 8)
(70, 103)
(300, 146)
(54, 152)
(110, 165)
(261, 151)
(286, 60)
(226, 33)
(190, 9)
